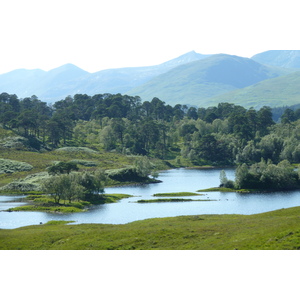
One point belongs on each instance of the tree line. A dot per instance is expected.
(225, 134)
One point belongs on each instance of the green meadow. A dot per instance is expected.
(272, 230)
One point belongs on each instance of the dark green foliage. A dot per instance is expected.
(126, 174)
(62, 168)
(225, 134)
(288, 116)
(75, 186)
(267, 176)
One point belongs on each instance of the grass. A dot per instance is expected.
(169, 200)
(273, 230)
(180, 194)
(54, 209)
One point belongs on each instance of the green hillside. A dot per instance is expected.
(196, 82)
(280, 91)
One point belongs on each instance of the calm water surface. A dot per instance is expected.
(177, 180)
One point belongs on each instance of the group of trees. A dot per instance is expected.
(223, 134)
(267, 176)
(65, 183)
(75, 185)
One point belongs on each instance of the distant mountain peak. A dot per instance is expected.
(185, 58)
(67, 67)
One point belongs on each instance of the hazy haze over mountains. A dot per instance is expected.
(279, 58)
(195, 83)
(279, 91)
(192, 78)
(68, 79)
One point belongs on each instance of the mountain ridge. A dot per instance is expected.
(192, 79)
(68, 79)
(279, 58)
(195, 83)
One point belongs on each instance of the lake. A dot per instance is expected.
(176, 180)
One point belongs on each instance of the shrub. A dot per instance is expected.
(86, 163)
(12, 166)
(20, 187)
(76, 150)
(28, 184)
(229, 184)
(125, 174)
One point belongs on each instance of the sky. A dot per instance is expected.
(103, 34)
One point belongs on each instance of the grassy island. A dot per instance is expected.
(170, 200)
(180, 194)
(46, 204)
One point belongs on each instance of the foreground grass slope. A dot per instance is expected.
(273, 230)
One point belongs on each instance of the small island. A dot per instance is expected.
(260, 177)
(179, 194)
(44, 203)
(171, 200)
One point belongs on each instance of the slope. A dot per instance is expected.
(279, 58)
(280, 91)
(194, 83)
(48, 86)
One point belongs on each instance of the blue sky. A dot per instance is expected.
(96, 35)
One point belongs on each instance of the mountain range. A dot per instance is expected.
(68, 79)
(269, 78)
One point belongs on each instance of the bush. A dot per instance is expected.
(20, 187)
(76, 150)
(12, 166)
(86, 163)
(229, 184)
(125, 174)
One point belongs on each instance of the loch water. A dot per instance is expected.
(175, 180)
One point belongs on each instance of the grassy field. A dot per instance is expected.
(273, 230)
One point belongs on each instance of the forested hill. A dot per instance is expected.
(225, 134)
